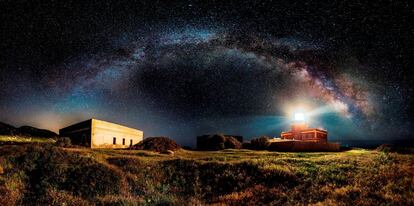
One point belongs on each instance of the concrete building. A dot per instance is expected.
(301, 132)
(95, 133)
(303, 139)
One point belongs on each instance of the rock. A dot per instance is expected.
(168, 152)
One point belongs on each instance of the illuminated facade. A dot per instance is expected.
(301, 132)
(95, 133)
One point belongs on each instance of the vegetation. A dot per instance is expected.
(399, 149)
(42, 174)
(217, 142)
(260, 143)
(8, 139)
(157, 144)
(63, 142)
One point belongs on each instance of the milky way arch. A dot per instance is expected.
(199, 72)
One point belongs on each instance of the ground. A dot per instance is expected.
(44, 174)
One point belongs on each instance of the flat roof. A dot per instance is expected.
(282, 140)
(118, 125)
(81, 122)
(307, 130)
(314, 129)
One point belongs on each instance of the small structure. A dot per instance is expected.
(95, 133)
(301, 138)
(300, 131)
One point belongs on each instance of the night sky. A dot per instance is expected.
(182, 69)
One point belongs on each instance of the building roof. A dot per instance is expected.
(281, 140)
(307, 130)
(94, 119)
(314, 129)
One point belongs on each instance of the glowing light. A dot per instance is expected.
(299, 116)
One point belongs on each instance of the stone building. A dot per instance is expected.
(300, 131)
(96, 133)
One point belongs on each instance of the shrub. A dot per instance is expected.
(256, 195)
(63, 142)
(208, 142)
(46, 175)
(62, 198)
(187, 148)
(92, 180)
(232, 143)
(260, 143)
(50, 168)
(131, 165)
(246, 145)
(217, 142)
(157, 144)
(394, 148)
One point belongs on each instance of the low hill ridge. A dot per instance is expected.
(6, 129)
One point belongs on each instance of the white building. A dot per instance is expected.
(95, 133)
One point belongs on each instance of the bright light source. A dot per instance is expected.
(299, 116)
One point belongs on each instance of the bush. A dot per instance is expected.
(50, 168)
(261, 143)
(246, 145)
(157, 144)
(217, 142)
(187, 148)
(256, 195)
(394, 148)
(213, 179)
(35, 174)
(232, 143)
(63, 142)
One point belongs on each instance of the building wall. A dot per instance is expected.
(103, 134)
(304, 146)
(312, 135)
(286, 135)
(79, 134)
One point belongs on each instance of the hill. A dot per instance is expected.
(35, 132)
(6, 129)
(41, 174)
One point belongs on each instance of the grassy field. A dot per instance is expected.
(23, 139)
(46, 175)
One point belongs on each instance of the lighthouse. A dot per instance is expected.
(300, 131)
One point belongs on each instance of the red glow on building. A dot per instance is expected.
(301, 132)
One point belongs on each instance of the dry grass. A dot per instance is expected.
(228, 177)
(24, 139)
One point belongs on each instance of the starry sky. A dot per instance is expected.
(187, 68)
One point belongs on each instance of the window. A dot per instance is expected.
(130, 142)
(114, 140)
(123, 141)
